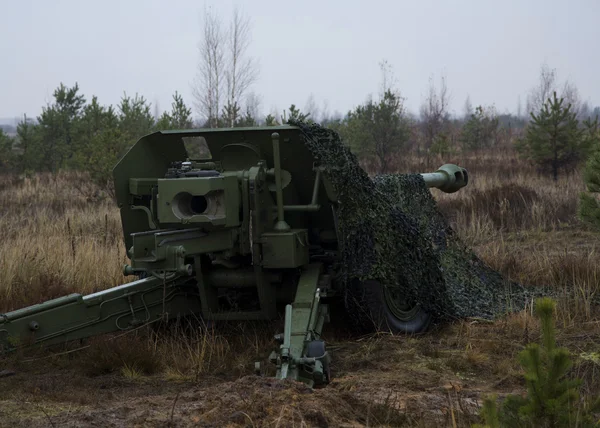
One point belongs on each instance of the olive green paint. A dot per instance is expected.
(278, 218)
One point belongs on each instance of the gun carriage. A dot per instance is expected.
(245, 231)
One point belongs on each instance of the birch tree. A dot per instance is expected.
(241, 69)
(211, 72)
(548, 84)
(434, 111)
(226, 71)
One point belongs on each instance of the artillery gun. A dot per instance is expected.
(242, 232)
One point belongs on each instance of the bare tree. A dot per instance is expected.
(242, 70)
(388, 80)
(585, 111)
(208, 84)
(571, 95)
(327, 117)
(253, 102)
(547, 85)
(325, 113)
(434, 111)
(156, 109)
(539, 94)
(311, 108)
(467, 108)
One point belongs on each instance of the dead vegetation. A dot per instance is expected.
(61, 235)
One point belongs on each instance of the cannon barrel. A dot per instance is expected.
(448, 178)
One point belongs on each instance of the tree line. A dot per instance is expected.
(74, 133)
(558, 133)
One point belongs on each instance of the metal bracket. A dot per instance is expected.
(148, 213)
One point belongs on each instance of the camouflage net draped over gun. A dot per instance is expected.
(390, 230)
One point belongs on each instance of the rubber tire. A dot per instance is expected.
(369, 311)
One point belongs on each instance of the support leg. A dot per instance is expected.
(302, 355)
(116, 309)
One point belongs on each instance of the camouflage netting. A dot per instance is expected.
(391, 231)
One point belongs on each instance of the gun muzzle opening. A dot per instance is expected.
(448, 178)
(186, 205)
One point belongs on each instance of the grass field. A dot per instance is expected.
(62, 235)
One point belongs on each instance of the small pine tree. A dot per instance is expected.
(58, 126)
(135, 118)
(589, 207)
(6, 151)
(553, 137)
(441, 145)
(230, 114)
(28, 147)
(590, 139)
(246, 121)
(489, 412)
(480, 130)
(295, 114)
(270, 120)
(552, 399)
(378, 130)
(106, 149)
(180, 116)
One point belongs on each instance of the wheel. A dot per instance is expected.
(375, 307)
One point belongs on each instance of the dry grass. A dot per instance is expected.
(61, 235)
(525, 225)
(179, 353)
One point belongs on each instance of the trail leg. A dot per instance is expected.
(302, 355)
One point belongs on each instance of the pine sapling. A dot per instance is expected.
(552, 398)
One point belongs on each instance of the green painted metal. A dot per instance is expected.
(255, 217)
(304, 320)
(448, 178)
(117, 309)
(285, 249)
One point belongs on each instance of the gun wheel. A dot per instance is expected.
(380, 308)
(404, 316)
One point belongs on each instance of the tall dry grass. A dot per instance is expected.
(62, 235)
(189, 351)
(59, 235)
(525, 225)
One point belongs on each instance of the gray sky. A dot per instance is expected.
(490, 50)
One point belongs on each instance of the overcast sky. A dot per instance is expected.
(490, 50)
